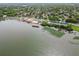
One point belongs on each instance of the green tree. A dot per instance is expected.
(71, 20)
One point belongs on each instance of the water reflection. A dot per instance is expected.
(19, 38)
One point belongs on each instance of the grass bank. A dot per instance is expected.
(76, 28)
(54, 32)
(76, 38)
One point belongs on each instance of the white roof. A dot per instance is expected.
(35, 22)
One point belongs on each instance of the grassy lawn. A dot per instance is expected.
(54, 32)
(76, 28)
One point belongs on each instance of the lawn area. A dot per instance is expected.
(76, 28)
(54, 32)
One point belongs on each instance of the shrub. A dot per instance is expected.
(71, 20)
(44, 23)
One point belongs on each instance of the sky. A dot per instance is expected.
(39, 1)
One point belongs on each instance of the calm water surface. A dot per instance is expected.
(21, 39)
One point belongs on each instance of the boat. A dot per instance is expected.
(35, 25)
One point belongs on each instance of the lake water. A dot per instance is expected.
(21, 39)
